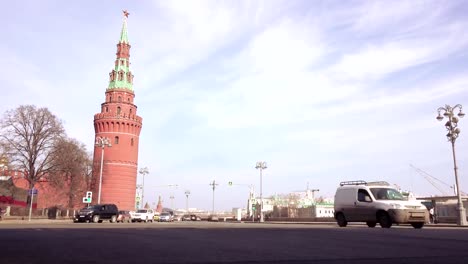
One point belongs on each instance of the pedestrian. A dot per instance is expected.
(431, 215)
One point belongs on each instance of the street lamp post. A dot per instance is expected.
(261, 165)
(214, 184)
(452, 135)
(187, 193)
(101, 142)
(143, 172)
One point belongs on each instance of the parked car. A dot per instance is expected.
(191, 217)
(156, 216)
(124, 216)
(143, 215)
(177, 218)
(213, 218)
(186, 217)
(165, 217)
(97, 213)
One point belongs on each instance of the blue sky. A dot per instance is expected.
(323, 91)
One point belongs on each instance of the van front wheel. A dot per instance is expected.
(341, 220)
(384, 220)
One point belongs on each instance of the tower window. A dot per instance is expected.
(130, 111)
(129, 75)
(131, 142)
(116, 140)
(121, 75)
(110, 98)
(118, 110)
(119, 99)
(107, 109)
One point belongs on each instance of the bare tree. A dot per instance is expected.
(30, 134)
(71, 173)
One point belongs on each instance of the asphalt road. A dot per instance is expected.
(205, 242)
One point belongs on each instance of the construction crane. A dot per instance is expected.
(433, 181)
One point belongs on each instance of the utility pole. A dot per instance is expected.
(187, 193)
(172, 201)
(143, 172)
(101, 142)
(261, 165)
(213, 184)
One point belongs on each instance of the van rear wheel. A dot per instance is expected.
(371, 224)
(418, 225)
(384, 220)
(341, 220)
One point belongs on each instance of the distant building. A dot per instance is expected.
(293, 205)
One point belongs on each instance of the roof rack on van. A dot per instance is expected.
(364, 183)
(353, 183)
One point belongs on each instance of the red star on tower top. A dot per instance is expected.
(126, 13)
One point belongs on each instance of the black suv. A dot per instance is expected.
(96, 213)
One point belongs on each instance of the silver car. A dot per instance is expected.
(165, 217)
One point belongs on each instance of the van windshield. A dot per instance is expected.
(386, 194)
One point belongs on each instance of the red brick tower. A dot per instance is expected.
(119, 124)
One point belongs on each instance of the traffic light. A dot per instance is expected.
(88, 198)
(254, 207)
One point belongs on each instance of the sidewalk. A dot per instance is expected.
(35, 220)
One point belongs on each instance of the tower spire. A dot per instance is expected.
(121, 77)
(123, 33)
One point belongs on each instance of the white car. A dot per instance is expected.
(143, 215)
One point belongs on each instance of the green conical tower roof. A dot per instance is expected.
(123, 33)
(121, 77)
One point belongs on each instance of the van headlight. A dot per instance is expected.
(396, 206)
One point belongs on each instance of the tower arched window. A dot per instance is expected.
(119, 99)
(130, 111)
(110, 98)
(107, 109)
(129, 77)
(121, 75)
(116, 140)
(118, 110)
(131, 142)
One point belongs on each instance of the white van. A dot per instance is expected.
(376, 202)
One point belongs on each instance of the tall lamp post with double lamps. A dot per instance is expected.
(452, 135)
(143, 172)
(261, 165)
(101, 142)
